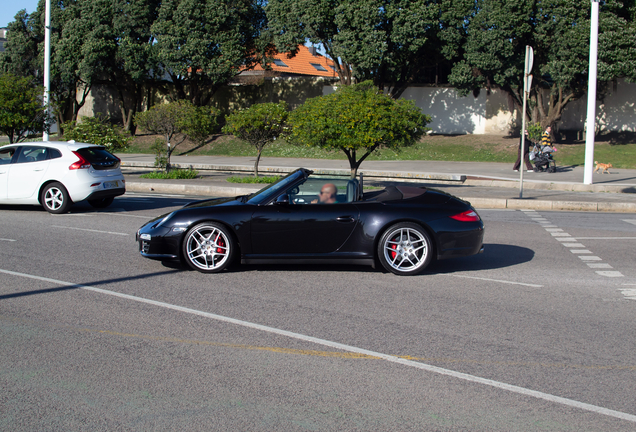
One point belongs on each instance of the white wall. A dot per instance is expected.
(489, 112)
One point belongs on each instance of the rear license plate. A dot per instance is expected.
(111, 184)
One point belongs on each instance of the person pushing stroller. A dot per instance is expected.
(542, 156)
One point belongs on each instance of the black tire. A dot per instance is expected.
(552, 169)
(405, 249)
(55, 199)
(535, 169)
(208, 247)
(102, 202)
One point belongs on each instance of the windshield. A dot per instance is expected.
(266, 194)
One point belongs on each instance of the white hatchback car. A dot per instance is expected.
(57, 174)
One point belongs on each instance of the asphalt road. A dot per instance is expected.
(536, 333)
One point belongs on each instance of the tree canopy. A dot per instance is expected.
(259, 125)
(357, 120)
(388, 41)
(21, 110)
(201, 44)
(559, 32)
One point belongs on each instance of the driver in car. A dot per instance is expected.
(328, 194)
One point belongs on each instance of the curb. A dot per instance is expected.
(480, 203)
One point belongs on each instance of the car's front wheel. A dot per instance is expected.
(209, 247)
(55, 198)
(405, 249)
(102, 202)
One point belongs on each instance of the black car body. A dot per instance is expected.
(402, 227)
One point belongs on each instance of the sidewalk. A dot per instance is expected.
(485, 185)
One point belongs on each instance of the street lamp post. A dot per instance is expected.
(47, 66)
(591, 96)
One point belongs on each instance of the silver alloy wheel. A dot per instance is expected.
(406, 249)
(208, 248)
(55, 199)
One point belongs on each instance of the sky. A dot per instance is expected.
(8, 9)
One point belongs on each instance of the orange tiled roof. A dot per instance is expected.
(302, 64)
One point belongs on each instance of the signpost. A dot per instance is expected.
(527, 84)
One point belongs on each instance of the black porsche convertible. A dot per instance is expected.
(314, 219)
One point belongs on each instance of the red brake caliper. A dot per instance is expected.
(393, 252)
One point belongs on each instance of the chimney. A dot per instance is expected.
(312, 50)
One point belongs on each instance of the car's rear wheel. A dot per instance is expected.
(209, 247)
(102, 202)
(405, 249)
(55, 198)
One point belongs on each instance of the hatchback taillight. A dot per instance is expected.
(467, 216)
(80, 164)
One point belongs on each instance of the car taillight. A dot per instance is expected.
(467, 216)
(80, 164)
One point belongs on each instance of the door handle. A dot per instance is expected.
(39, 169)
(345, 219)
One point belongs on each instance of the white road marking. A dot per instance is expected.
(580, 251)
(90, 230)
(599, 265)
(631, 221)
(349, 348)
(128, 215)
(590, 258)
(610, 273)
(560, 234)
(554, 230)
(567, 244)
(606, 238)
(9, 240)
(493, 280)
(567, 239)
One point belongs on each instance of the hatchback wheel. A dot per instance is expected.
(55, 198)
(208, 247)
(102, 202)
(405, 249)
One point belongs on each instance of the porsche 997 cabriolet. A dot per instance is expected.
(304, 218)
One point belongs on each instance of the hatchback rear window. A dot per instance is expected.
(99, 158)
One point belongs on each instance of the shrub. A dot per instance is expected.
(95, 130)
(172, 174)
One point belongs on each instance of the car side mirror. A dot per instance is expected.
(283, 199)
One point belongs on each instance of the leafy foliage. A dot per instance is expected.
(390, 42)
(201, 44)
(173, 174)
(177, 121)
(259, 125)
(357, 120)
(558, 30)
(96, 130)
(21, 110)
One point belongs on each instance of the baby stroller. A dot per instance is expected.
(542, 158)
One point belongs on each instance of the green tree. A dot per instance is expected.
(357, 120)
(202, 44)
(390, 42)
(77, 55)
(259, 125)
(95, 130)
(558, 31)
(177, 121)
(21, 110)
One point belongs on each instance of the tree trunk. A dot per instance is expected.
(258, 158)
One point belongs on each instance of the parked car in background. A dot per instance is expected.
(303, 218)
(58, 174)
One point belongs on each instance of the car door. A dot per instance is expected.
(26, 172)
(302, 228)
(6, 156)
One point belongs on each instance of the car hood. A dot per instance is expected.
(214, 202)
